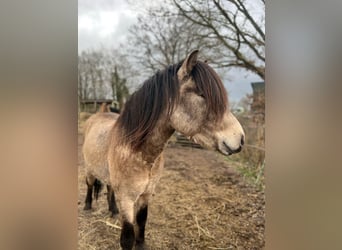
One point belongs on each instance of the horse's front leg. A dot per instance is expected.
(126, 208)
(141, 218)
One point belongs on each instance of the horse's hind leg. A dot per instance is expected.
(111, 201)
(90, 180)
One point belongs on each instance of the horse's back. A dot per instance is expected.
(97, 132)
(98, 119)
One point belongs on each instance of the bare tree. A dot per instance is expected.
(119, 89)
(84, 78)
(98, 71)
(160, 40)
(88, 64)
(236, 26)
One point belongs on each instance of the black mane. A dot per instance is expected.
(160, 93)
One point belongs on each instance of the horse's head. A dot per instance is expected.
(202, 109)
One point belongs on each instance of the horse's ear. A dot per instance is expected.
(188, 64)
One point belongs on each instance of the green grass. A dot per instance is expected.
(253, 173)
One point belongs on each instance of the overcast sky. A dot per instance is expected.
(106, 22)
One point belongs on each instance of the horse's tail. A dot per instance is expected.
(97, 188)
(104, 108)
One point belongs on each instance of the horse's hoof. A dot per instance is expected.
(87, 207)
(141, 246)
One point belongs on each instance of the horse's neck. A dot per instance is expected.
(156, 142)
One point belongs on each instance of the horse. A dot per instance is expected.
(97, 186)
(105, 107)
(126, 151)
(114, 110)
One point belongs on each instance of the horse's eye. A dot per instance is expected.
(201, 95)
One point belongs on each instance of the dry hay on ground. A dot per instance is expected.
(200, 203)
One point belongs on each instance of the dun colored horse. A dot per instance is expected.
(126, 151)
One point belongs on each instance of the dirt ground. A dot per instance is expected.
(201, 202)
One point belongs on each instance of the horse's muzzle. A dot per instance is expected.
(226, 150)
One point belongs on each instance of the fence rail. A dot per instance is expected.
(253, 146)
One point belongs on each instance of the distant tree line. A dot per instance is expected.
(102, 74)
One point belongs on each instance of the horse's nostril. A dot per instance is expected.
(242, 140)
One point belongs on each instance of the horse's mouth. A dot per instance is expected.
(226, 150)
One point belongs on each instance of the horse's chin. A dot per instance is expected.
(225, 149)
(226, 153)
